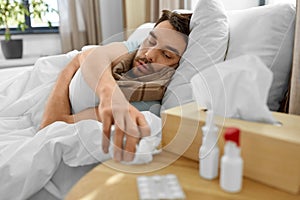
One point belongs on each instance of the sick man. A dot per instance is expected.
(120, 73)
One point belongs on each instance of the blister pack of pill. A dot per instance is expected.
(159, 187)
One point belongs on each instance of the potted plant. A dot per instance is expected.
(14, 12)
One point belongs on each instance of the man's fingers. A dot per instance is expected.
(143, 126)
(136, 128)
(107, 122)
(118, 143)
(130, 146)
(132, 138)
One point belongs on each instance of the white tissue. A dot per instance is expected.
(236, 88)
(147, 145)
(145, 150)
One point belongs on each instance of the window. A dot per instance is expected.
(35, 25)
(51, 16)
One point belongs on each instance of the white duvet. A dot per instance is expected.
(28, 157)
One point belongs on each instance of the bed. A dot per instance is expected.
(7, 73)
(46, 165)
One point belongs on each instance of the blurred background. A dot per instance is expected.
(76, 23)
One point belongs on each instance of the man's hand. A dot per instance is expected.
(130, 124)
(114, 108)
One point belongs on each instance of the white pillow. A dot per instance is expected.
(267, 32)
(207, 46)
(141, 32)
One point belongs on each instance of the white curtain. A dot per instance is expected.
(79, 23)
(156, 6)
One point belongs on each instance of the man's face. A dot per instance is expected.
(163, 47)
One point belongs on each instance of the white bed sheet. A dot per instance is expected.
(65, 176)
(7, 73)
(43, 164)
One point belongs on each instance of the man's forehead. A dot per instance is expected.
(170, 37)
(165, 28)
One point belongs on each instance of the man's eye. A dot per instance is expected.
(166, 55)
(151, 42)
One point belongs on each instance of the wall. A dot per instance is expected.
(112, 22)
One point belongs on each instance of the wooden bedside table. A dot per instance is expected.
(111, 181)
(271, 153)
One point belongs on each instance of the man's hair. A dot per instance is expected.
(181, 22)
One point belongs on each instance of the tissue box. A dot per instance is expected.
(271, 153)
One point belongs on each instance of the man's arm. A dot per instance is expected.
(58, 105)
(114, 107)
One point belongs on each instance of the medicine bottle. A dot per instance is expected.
(209, 150)
(231, 174)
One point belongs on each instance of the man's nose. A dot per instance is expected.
(151, 54)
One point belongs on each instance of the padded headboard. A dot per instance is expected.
(294, 90)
